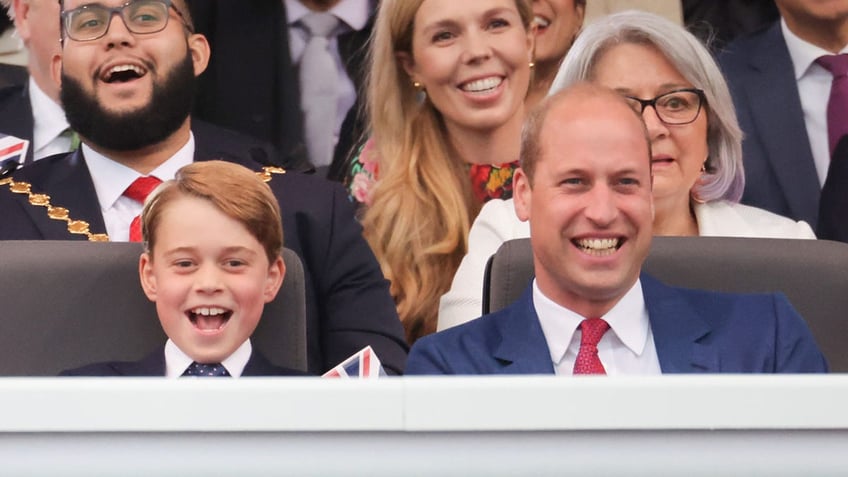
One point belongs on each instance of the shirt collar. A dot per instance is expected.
(111, 178)
(559, 323)
(802, 53)
(48, 117)
(354, 13)
(176, 361)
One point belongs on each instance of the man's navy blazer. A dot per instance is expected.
(348, 305)
(16, 114)
(694, 332)
(252, 85)
(154, 365)
(780, 173)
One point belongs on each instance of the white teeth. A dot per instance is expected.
(541, 21)
(481, 85)
(208, 311)
(120, 68)
(598, 247)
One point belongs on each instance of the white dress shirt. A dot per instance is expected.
(354, 15)
(111, 179)
(626, 348)
(48, 124)
(814, 83)
(176, 361)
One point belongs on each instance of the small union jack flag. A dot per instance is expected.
(363, 364)
(12, 149)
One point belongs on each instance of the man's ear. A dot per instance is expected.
(21, 9)
(146, 276)
(200, 51)
(522, 194)
(276, 274)
(56, 69)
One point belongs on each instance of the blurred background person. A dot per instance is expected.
(783, 80)
(30, 110)
(668, 76)
(445, 102)
(287, 72)
(556, 23)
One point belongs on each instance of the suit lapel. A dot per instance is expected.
(677, 328)
(69, 185)
(151, 365)
(523, 348)
(776, 113)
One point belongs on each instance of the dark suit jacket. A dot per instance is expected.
(251, 84)
(154, 365)
(833, 209)
(16, 114)
(779, 169)
(694, 332)
(348, 305)
(13, 75)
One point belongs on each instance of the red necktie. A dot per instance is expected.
(138, 191)
(837, 104)
(587, 362)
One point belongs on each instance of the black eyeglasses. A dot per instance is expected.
(141, 17)
(680, 106)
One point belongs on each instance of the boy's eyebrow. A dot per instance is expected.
(231, 249)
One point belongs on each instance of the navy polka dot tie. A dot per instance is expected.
(587, 361)
(201, 370)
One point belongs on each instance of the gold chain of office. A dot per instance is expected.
(81, 227)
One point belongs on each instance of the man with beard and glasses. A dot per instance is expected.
(127, 75)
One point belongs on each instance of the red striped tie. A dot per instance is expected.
(138, 191)
(587, 362)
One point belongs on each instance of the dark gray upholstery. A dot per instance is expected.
(66, 304)
(813, 274)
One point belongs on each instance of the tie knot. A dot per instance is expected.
(319, 24)
(593, 330)
(836, 64)
(206, 370)
(141, 188)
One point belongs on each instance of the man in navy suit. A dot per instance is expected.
(252, 84)
(30, 109)
(128, 92)
(781, 96)
(585, 187)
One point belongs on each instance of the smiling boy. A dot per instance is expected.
(213, 239)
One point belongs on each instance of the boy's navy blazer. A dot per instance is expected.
(694, 332)
(779, 168)
(348, 304)
(154, 365)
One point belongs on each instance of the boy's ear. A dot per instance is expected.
(276, 273)
(56, 69)
(145, 274)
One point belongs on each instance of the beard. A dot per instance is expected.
(167, 110)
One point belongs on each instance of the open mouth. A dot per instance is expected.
(599, 247)
(484, 85)
(123, 73)
(661, 160)
(209, 318)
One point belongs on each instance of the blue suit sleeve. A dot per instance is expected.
(796, 350)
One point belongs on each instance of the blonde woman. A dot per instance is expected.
(445, 103)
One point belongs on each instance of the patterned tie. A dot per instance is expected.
(593, 330)
(319, 80)
(138, 191)
(837, 104)
(212, 370)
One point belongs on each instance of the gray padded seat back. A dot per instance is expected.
(813, 274)
(70, 303)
